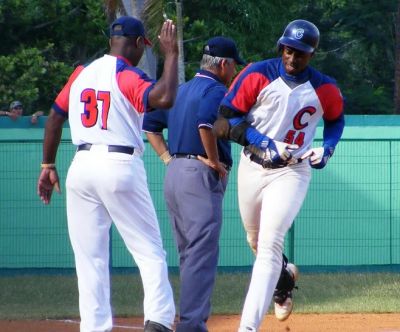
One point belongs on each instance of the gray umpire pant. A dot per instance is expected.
(194, 194)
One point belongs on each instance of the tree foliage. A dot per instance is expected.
(358, 49)
(254, 25)
(42, 41)
(357, 45)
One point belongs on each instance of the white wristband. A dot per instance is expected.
(166, 157)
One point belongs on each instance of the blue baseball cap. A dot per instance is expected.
(223, 47)
(15, 104)
(128, 26)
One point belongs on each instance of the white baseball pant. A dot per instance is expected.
(105, 187)
(269, 200)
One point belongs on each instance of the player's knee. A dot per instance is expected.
(272, 240)
(270, 248)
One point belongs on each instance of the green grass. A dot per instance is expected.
(56, 296)
(355, 292)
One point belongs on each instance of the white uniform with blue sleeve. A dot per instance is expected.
(285, 109)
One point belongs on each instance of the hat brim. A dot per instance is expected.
(296, 44)
(121, 33)
(239, 61)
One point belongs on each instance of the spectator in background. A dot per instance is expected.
(35, 116)
(16, 110)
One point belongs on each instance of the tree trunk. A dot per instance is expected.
(148, 62)
(113, 8)
(397, 64)
(179, 26)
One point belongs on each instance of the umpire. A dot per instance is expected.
(196, 176)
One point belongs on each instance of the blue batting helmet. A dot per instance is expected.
(301, 35)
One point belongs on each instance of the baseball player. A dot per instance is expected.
(273, 109)
(106, 182)
(196, 176)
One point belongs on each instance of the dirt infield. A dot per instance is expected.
(296, 323)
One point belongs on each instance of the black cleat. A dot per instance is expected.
(150, 326)
(283, 298)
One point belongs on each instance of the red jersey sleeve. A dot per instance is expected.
(245, 89)
(62, 100)
(331, 100)
(135, 85)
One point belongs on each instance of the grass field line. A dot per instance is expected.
(71, 321)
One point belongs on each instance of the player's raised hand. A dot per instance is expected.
(318, 157)
(48, 180)
(168, 38)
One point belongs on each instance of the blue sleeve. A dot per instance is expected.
(333, 131)
(253, 136)
(208, 109)
(60, 111)
(155, 121)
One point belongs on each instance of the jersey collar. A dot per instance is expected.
(124, 59)
(207, 74)
(299, 78)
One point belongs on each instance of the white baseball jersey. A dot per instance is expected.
(286, 109)
(280, 112)
(99, 112)
(105, 102)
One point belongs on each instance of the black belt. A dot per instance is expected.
(265, 164)
(258, 160)
(192, 156)
(111, 148)
(183, 155)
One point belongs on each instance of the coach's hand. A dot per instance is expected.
(168, 38)
(48, 180)
(164, 91)
(319, 156)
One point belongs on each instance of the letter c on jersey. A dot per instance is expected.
(298, 123)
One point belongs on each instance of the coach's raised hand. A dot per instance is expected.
(164, 92)
(168, 39)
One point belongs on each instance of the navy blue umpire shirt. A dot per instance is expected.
(196, 106)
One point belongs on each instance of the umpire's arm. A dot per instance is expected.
(153, 125)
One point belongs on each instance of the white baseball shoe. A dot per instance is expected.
(284, 309)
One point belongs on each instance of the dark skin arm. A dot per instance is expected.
(164, 91)
(48, 178)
